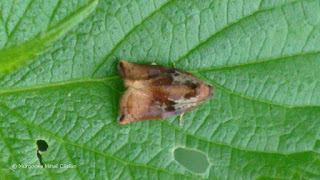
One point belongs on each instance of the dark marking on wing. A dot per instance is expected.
(190, 95)
(170, 105)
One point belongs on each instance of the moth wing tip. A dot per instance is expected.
(122, 122)
(121, 119)
(211, 90)
(122, 61)
(122, 67)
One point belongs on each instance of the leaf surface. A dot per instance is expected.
(59, 83)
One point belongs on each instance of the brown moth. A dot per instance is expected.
(154, 92)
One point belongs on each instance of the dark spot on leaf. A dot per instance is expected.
(40, 159)
(42, 146)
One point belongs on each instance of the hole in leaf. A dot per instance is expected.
(192, 160)
(42, 147)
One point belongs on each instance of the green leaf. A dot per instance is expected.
(22, 41)
(59, 83)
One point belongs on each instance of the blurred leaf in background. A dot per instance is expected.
(59, 83)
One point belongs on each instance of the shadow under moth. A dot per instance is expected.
(154, 92)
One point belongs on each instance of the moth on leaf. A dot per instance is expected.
(154, 92)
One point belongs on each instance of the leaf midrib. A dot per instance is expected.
(102, 80)
(54, 84)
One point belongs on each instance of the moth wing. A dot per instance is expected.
(138, 105)
(133, 71)
(154, 92)
(153, 103)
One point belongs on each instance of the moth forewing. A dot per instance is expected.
(154, 91)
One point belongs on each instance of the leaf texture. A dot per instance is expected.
(59, 83)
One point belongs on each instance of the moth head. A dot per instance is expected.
(204, 91)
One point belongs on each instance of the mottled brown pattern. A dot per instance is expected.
(154, 92)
